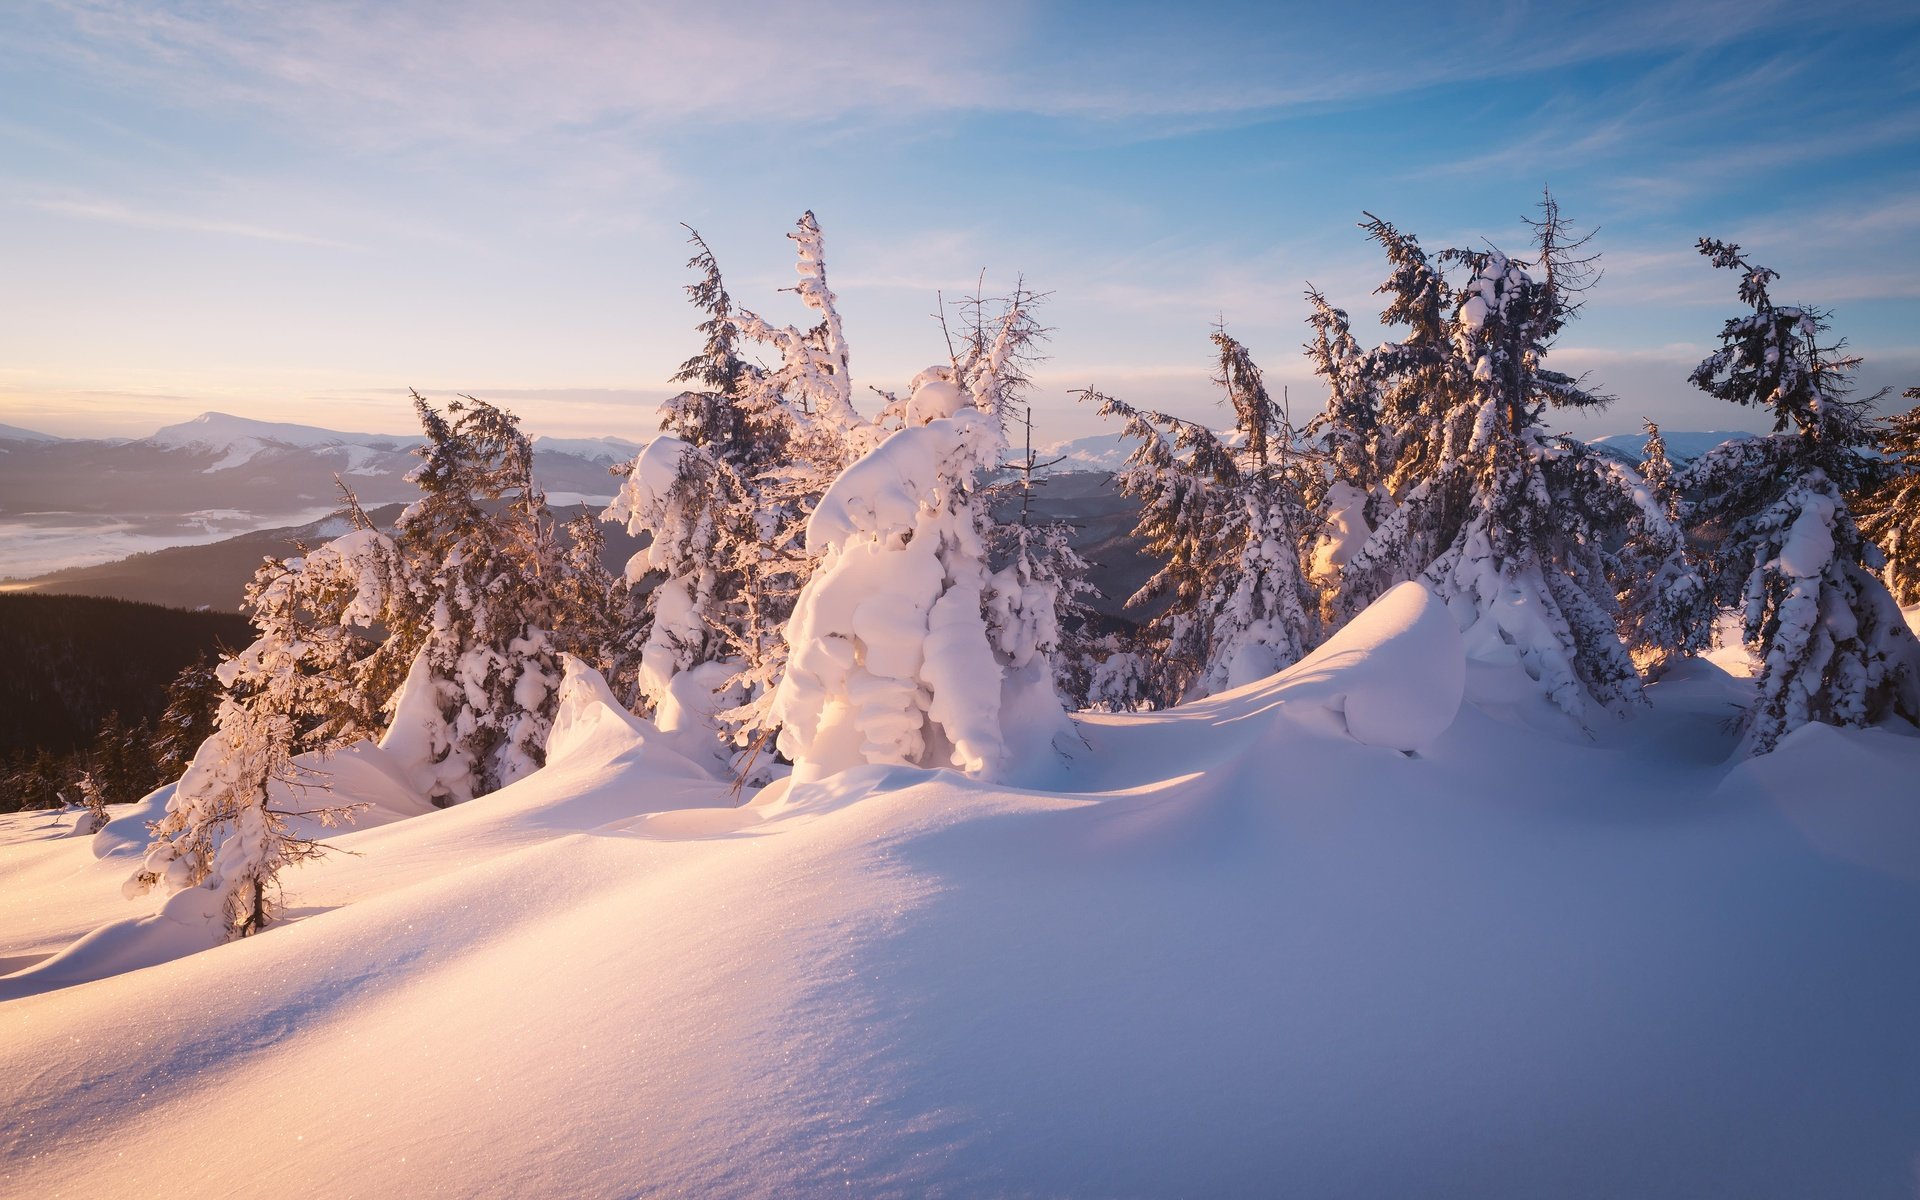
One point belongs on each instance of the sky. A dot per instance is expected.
(298, 211)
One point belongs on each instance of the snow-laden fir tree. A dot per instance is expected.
(1666, 609)
(1787, 551)
(1351, 496)
(1416, 430)
(297, 688)
(709, 415)
(1231, 528)
(1890, 508)
(220, 847)
(713, 609)
(477, 703)
(811, 388)
(909, 642)
(1512, 527)
(187, 720)
(1034, 607)
(723, 496)
(1045, 606)
(594, 609)
(905, 646)
(92, 799)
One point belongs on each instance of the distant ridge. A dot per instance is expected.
(219, 429)
(13, 433)
(1683, 446)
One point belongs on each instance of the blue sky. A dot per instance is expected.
(297, 211)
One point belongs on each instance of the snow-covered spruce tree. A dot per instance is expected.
(1417, 429)
(1666, 610)
(594, 610)
(478, 700)
(93, 800)
(1417, 432)
(723, 498)
(1034, 611)
(1045, 571)
(1173, 471)
(892, 655)
(811, 386)
(224, 839)
(707, 612)
(1231, 527)
(192, 700)
(222, 843)
(1890, 509)
(1510, 526)
(1351, 496)
(908, 644)
(1787, 552)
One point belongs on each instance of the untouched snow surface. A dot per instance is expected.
(1232, 950)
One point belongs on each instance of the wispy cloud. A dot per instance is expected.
(491, 71)
(114, 213)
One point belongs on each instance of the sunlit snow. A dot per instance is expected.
(1245, 946)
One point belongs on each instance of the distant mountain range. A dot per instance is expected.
(66, 501)
(182, 517)
(1682, 446)
(214, 575)
(218, 461)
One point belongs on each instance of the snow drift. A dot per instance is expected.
(1239, 947)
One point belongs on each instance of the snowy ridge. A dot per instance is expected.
(13, 433)
(242, 439)
(1682, 446)
(1099, 452)
(594, 449)
(219, 430)
(1228, 943)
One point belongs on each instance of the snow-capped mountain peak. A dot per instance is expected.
(220, 430)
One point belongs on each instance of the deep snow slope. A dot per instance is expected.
(1233, 950)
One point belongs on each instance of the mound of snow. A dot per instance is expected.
(590, 726)
(1396, 673)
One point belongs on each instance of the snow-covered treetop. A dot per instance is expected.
(1255, 413)
(1772, 358)
(880, 497)
(814, 363)
(1418, 293)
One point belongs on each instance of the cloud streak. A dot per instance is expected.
(113, 213)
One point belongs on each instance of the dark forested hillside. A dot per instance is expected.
(67, 662)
